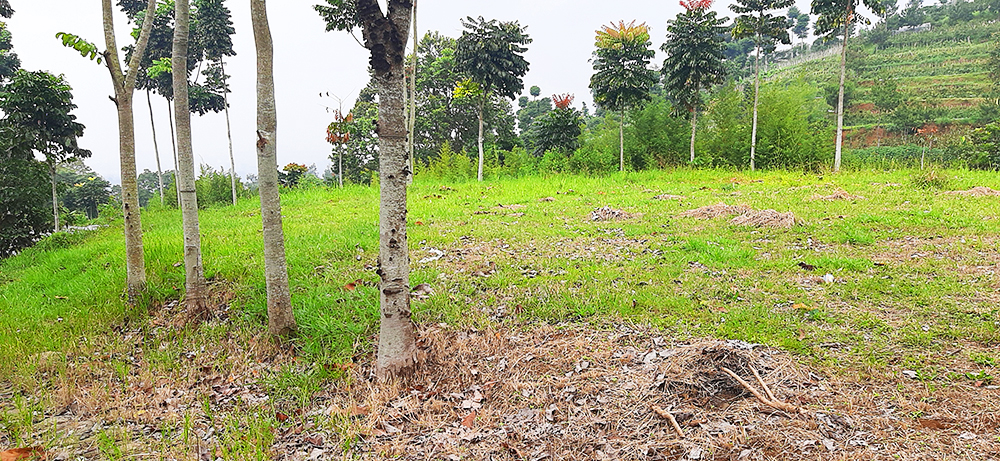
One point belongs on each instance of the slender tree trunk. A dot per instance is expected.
(229, 131)
(413, 99)
(55, 197)
(156, 146)
(195, 289)
(340, 165)
(756, 98)
(840, 95)
(173, 142)
(621, 140)
(124, 84)
(397, 347)
(479, 143)
(694, 129)
(280, 319)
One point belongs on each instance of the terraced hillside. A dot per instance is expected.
(940, 73)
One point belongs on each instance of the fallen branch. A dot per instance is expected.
(767, 390)
(669, 417)
(786, 407)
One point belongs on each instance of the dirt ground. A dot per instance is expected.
(536, 392)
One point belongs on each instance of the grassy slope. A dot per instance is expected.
(693, 277)
(944, 67)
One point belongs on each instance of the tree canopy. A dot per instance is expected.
(694, 47)
(491, 53)
(622, 78)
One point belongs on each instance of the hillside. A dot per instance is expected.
(941, 73)
(566, 316)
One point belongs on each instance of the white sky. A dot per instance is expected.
(308, 61)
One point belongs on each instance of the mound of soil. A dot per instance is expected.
(978, 191)
(609, 214)
(714, 211)
(839, 194)
(765, 218)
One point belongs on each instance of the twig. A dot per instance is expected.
(788, 408)
(767, 390)
(669, 417)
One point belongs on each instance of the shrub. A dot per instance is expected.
(451, 166)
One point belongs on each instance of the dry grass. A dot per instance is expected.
(765, 218)
(607, 213)
(669, 197)
(715, 211)
(978, 191)
(839, 194)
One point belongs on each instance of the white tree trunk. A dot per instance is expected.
(840, 95)
(229, 132)
(173, 143)
(756, 98)
(340, 165)
(621, 140)
(195, 288)
(156, 146)
(411, 130)
(280, 319)
(55, 197)
(694, 129)
(124, 85)
(479, 142)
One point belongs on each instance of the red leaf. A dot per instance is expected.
(17, 454)
(350, 286)
(469, 420)
(281, 417)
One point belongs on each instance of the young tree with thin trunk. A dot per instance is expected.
(695, 49)
(766, 30)
(491, 54)
(838, 17)
(622, 78)
(124, 85)
(194, 285)
(280, 319)
(156, 145)
(385, 34)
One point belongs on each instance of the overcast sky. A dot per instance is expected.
(308, 61)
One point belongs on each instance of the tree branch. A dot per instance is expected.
(140, 48)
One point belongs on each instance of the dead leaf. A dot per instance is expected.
(23, 453)
(350, 286)
(469, 420)
(934, 423)
(281, 417)
(806, 266)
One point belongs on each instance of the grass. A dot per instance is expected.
(909, 267)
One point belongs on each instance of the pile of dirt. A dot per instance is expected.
(765, 218)
(978, 191)
(714, 211)
(839, 194)
(669, 197)
(607, 213)
(573, 393)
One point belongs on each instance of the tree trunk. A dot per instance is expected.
(194, 285)
(340, 165)
(280, 319)
(229, 131)
(397, 347)
(840, 95)
(55, 197)
(694, 129)
(173, 142)
(411, 131)
(124, 85)
(156, 146)
(756, 98)
(621, 140)
(479, 143)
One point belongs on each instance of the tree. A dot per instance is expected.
(558, 129)
(622, 78)
(280, 319)
(214, 32)
(766, 30)
(798, 22)
(124, 86)
(9, 62)
(531, 110)
(194, 284)
(694, 50)
(886, 97)
(491, 54)
(838, 17)
(23, 193)
(36, 107)
(384, 36)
